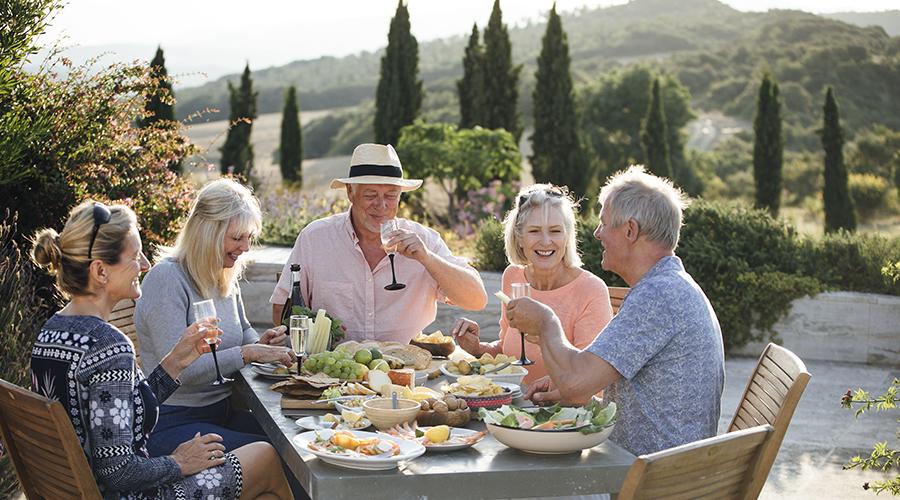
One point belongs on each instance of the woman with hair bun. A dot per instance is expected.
(205, 264)
(539, 237)
(88, 365)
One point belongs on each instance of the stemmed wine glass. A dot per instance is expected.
(387, 227)
(299, 329)
(205, 312)
(522, 290)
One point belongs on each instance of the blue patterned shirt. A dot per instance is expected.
(666, 343)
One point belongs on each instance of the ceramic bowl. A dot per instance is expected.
(512, 378)
(443, 349)
(380, 412)
(549, 442)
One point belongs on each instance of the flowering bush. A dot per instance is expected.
(882, 457)
(487, 203)
(92, 149)
(288, 212)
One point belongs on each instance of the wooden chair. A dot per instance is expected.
(616, 296)
(721, 467)
(771, 396)
(122, 317)
(42, 445)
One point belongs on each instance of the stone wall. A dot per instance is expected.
(840, 326)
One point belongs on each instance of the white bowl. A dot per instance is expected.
(515, 378)
(550, 442)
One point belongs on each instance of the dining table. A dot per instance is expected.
(488, 469)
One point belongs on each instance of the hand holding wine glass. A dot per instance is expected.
(388, 227)
(521, 290)
(205, 313)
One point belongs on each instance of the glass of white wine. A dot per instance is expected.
(205, 312)
(521, 290)
(299, 331)
(388, 227)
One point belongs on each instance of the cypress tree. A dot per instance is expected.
(654, 136)
(291, 147)
(501, 82)
(840, 211)
(471, 86)
(768, 146)
(558, 155)
(399, 95)
(237, 152)
(159, 108)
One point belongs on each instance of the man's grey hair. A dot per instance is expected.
(653, 202)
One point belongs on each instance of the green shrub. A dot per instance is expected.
(489, 253)
(870, 192)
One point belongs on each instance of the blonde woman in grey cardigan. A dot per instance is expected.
(88, 365)
(206, 264)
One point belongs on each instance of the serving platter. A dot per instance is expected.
(317, 422)
(408, 450)
(548, 442)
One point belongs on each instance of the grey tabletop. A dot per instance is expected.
(486, 470)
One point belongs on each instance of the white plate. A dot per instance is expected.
(454, 431)
(408, 450)
(513, 389)
(317, 423)
(512, 378)
(266, 370)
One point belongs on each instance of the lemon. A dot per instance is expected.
(350, 416)
(438, 433)
(376, 354)
(363, 356)
(330, 418)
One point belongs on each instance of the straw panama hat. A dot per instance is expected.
(376, 164)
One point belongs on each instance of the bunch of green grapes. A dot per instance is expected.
(338, 364)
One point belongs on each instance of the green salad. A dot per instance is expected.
(588, 419)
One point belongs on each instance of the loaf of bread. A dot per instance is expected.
(412, 356)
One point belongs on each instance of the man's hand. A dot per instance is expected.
(466, 333)
(542, 392)
(408, 244)
(529, 317)
(274, 336)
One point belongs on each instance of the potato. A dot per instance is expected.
(464, 367)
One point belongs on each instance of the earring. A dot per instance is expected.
(105, 281)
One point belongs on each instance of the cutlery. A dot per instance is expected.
(339, 398)
(504, 365)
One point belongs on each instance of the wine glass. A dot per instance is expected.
(299, 329)
(522, 290)
(387, 227)
(205, 312)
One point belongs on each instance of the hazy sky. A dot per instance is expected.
(218, 37)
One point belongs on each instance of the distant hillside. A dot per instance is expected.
(716, 51)
(889, 20)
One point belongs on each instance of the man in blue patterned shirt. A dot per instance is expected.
(661, 358)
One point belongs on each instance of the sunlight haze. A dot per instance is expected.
(219, 37)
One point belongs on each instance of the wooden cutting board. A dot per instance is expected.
(292, 402)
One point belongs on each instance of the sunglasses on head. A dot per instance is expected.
(101, 216)
(556, 192)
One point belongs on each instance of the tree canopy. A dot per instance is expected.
(501, 83)
(237, 152)
(399, 95)
(768, 146)
(291, 145)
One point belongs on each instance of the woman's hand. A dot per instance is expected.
(269, 354)
(542, 392)
(199, 453)
(189, 348)
(466, 333)
(274, 336)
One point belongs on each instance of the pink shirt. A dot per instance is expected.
(335, 276)
(582, 307)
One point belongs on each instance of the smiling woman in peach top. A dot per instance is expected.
(542, 251)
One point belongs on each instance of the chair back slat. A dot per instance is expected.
(771, 396)
(122, 317)
(616, 296)
(722, 467)
(41, 442)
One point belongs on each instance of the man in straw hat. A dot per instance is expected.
(344, 267)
